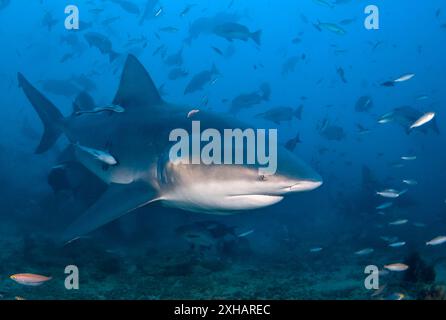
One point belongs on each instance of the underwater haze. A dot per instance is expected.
(92, 207)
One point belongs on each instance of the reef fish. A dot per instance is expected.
(364, 252)
(425, 118)
(396, 267)
(232, 30)
(436, 241)
(29, 279)
(100, 155)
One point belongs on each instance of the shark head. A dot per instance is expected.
(227, 189)
(293, 174)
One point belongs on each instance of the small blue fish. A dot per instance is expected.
(385, 205)
(397, 244)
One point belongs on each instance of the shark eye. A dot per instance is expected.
(262, 178)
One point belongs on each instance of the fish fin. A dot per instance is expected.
(136, 87)
(51, 117)
(256, 36)
(83, 101)
(116, 201)
(297, 137)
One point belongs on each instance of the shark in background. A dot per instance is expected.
(129, 150)
(405, 116)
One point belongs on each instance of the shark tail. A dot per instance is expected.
(51, 117)
(256, 37)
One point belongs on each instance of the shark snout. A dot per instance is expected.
(304, 185)
(295, 175)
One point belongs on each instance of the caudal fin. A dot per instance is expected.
(51, 117)
(256, 36)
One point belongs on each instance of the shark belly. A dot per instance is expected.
(216, 198)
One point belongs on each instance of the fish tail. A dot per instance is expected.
(256, 36)
(52, 119)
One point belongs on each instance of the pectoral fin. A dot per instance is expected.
(117, 200)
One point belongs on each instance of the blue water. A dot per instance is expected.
(141, 256)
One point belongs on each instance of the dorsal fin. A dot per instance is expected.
(83, 102)
(136, 87)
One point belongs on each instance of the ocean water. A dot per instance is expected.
(343, 89)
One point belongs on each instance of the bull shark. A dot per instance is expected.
(138, 140)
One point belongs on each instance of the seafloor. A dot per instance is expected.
(161, 274)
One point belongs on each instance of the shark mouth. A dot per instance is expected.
(304, 185)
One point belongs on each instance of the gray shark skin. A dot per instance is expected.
(139, 140)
